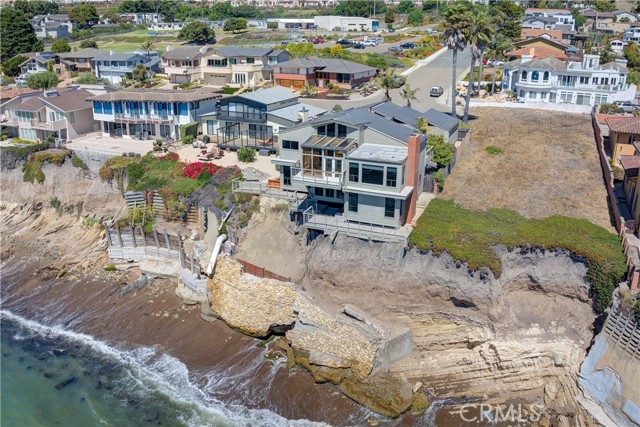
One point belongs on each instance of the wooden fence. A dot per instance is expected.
(262, 272)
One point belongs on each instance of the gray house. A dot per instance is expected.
(439, 123)
(360, 173)
(115, 67)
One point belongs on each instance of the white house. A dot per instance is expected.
(617, 45)
(142, 18)
(548, 80)
(551, 18)
(346, 23)
(624, 15)
(115, 67)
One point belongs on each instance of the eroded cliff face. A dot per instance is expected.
(520, 336)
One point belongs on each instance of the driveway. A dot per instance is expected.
(436, 73)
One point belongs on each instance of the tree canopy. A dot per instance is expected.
(60, 46)
(89, 78)
(88, 44)
(298, 50)
(84, 14)
(405, 6)
(36, 7)
(140, 73)
(45, 80)
(415, 17)
(353, 8)
(510, 26)
(632, 54)
(16, 33)
(197, 32)
(235, 24)
(11, 67)
(442, 150)
(389, 16)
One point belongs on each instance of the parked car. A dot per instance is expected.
(431, 31)
(358, 46)
(398, 81)
(408, 45)
(344, 42)
(627, 106)
(392, 30)
(369, 43)
(395, 49)
(436, 91)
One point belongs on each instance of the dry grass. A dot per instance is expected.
(549, 166)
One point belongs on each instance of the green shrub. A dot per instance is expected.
(187, 139)
(246, 155)
(442, 150)
(78, 163)
(90, 222)
(61, 273)
(189, 129)
(109, 267)
(493, 150)
(469, 236)
(440, 178)
(32, 168)
(56, 203)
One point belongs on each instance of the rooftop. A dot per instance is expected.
(231, 51)
(116, 56)
(67, 99)
(291, 112)
(630, 164)
(527, 33)
(12, 93)
(328, 65)
(319, 141)
(270, 95)
(409, 115)
(380, 153)
(624, 124)
(185, 52)
(159, 95)
(84, 53)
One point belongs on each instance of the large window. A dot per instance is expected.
(353, 202)
(354, 172)
(97, 107)
(389, 207)
(289, 145)
(333, 129)
(217, 62)
(286, 174)
(392, 177)
(372, 174)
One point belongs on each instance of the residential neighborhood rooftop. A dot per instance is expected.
(291, 113)
(270, 95)
(329, 65)
(409, 115)
(159, 95)
(379, 153)
(624, 124)
(88, 52)
(184, 52)
(231, 51)
(65, 99)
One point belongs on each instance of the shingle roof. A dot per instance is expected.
(270, 95)
(624, 124)
(159, 95)
(548, 62)
(184, 52)
(117, 56)
(441, 120)
(630, 164)
(12, 93)
(275, 52)
(329, 65)
(613, 65)
(68, 99)
(409, 115)
(538, 52)
(291, 112)
(232, 51)
(527, 33)
(88, 52)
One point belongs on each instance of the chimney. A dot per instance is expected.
(413, 172)
(303, 115)
(532, 52)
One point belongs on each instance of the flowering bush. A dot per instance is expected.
(170, 156)
(195, 169)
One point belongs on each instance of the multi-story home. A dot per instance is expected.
(62, 113)
(559, 17)
(142, 18)
(362, 173)
(586, 83)
(542, 46)
(624, 132)
(115, 67)
(37, 63)
(50, 25)
(236, 66)
(624, 16)
(81, 61)
(254, 119)
(632, 34)
(151, 113)
(617, 45)
(313, 71)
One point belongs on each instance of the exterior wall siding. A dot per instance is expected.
(371, 211)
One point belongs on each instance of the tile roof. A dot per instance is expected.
(270, 95)
(630, 164)
(527, 33)
(291, 112)
(185, 52)
(12, 93)
(328, 65)
(67, 99)
(624, 124)
(158, 95)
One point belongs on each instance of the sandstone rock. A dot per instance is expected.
(381, 392)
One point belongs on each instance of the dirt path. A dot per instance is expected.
(548, 166)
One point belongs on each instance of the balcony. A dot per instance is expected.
(53, 126)
(318, 178)
(141, 117)
(241, 116)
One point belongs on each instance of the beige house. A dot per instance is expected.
(62, 113)
(624, 131)
(631, 165)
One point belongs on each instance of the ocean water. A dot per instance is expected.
(55, 377)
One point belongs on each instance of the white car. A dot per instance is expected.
(369, 43)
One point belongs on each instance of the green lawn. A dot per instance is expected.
(469, 236)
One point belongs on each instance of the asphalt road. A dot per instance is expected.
(436, 73)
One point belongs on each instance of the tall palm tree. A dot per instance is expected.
(148, 46)
(385, 81)
(499, 45)
(479, 34)
(455, 24)
(409, 94)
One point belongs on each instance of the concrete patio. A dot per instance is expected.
(115, 146)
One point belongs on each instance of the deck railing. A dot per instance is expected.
(318, 176)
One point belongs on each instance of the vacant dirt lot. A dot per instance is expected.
(548, 165)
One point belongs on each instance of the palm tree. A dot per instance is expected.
(148, 46)
(455, 24)
(422, 125)
(385, 81)
(479, 34)
(499, 45)
(409, 94)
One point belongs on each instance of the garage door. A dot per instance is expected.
(215, 80)
(298, 84)
(180, 79)
(284, 82)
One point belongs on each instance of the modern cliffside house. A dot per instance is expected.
(62, 113)
(115, 67)
(549, 80)
(235, 66)
(149, 113)
(624, 131)
(313, 71)
(439, 123)
(362, 173)
(254, 119)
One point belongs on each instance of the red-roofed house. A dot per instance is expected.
(531, 33)
(624, 131)
(631, 166)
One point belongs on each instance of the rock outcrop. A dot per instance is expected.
(522, 335)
